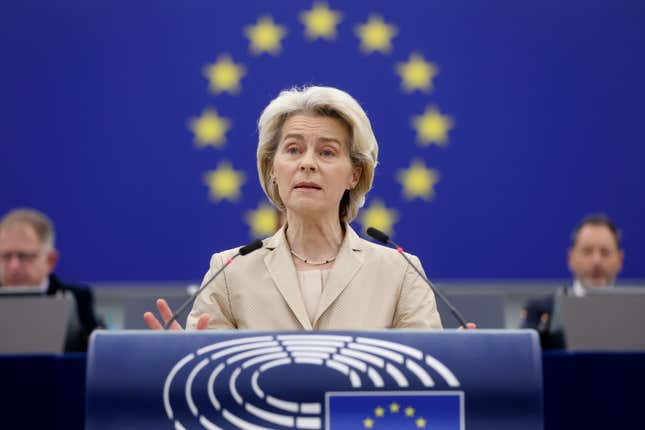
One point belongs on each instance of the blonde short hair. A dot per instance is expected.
(42, 225)
(327, 102)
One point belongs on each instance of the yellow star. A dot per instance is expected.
(379, 412)
(265, 36)
(320, 22)
(224, 182)
(394, 407)
(368, 423)
(263, 220)
(375, 35)
(418, 181)
(209, 128)
(409, 411)
(224, 75)
(417, 73)
(420, 422)
(379, 217)
(432, 127)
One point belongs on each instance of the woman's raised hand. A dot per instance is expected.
(166, 314)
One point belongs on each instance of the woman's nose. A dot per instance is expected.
(308, 161)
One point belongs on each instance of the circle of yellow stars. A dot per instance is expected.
(265, 36)
(376, 35)
(224, 182)
(224, 75)
(321, 22)
(418, 180)
(416, 73)
(377, 215)
(432, 127)
(209, 128)
(394, 408)
(263, 220)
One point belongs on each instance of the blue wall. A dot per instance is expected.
(547, 101)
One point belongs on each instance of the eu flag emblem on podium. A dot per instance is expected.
(436, 410)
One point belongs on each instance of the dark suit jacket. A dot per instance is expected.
(538, 315)
(84, 320)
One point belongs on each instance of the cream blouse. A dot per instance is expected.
(312, 283)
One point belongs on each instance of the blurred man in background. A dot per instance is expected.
(595, 258)
(28, 258)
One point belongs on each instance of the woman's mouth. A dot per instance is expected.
(307, 186)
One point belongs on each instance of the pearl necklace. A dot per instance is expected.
(313, 262)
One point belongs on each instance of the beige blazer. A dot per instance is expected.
(369, 287)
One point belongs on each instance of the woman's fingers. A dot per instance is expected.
(469, 326)
(202, 322)
(152, 321)
(166, 314)
(164, 309)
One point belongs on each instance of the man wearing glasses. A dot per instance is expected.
(27, 260)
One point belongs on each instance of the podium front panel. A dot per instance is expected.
(439, 380)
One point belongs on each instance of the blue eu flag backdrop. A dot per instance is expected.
(133, 124)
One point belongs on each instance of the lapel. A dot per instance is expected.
(283, 272)
(347, 264)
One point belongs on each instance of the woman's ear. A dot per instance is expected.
(356, 176)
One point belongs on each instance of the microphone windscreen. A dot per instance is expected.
(247, 249)
(378, 235)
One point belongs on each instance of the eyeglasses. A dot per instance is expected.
(23, 257)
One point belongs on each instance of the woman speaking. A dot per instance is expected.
(316, 157)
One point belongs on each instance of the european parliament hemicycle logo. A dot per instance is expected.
(295, 381)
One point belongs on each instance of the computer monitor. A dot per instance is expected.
(32, 324)
(610, 319)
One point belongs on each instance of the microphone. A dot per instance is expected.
(385, 239)
(247, 249)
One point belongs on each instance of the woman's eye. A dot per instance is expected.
(292, 150)
(327, 153)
